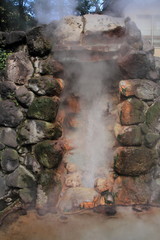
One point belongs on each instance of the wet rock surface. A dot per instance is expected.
(9, 160)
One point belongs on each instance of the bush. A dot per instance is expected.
(3, 57)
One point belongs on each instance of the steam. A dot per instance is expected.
(92, 139)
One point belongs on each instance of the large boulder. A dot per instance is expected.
(8, 137)
(134, 161)
(10, 115)
(24, 96)
(14, 38)
(19, 68)
(37, 41)
(132, 111)
(128, 135)
(49, 153)
(9, 160)
(44, 108)
(131, 190)
(142, 89)
(137, 64)
(21, 178)
(7, 89)
(33, 131)
(46, 85)
(133, 34)
(50, 66)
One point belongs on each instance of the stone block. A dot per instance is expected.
(24, 96)
(9, 160)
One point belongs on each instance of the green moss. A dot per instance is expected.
(3, 57)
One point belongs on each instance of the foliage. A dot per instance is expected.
(16, 14)
(3, 57)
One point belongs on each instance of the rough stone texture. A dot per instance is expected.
(132, 111)
(16, 38)
(24, 96)
(73, 197)
(133, 34)
(130, 190)
(7, 89)
(142, 89)
(128, 135)
(136, 64)
(151, 139)
(21, 178)
(12, 38)
(153, 115)
(49, 153)
(37, 41)
(134, 161)
(69, 29)
(8, 137)
(44, 108)
(3, 186)
(31, 163)
(50, 66)
(33, 131)
(19, 68)
(46, 85)
(10, 115)
(10, 160)
(27, 195)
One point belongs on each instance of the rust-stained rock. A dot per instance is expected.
(73, 197)
(142, 89)
(50, 66)
(128, 135)
(131, 190)
(134, 161)
(19, 68)
(132, 111)
(102, 185)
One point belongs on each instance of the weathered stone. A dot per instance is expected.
(16, 38)
(153, 115)
(133, 34)
(44, 108)
(7, 89)
(69, 29)
(19, 68)
(46, 85)
(102, 185)
(33, 131)
(128, 135)
(73, 197)
(132, 111)
(50, 66)
(31, 163)
(37, 41)
(24, 96)
(3, 186)
(49, 153)
(10, 115)
(136, 64)
(8, 137)
(131, 190)
(27, 195)
(3, 39)
(2, 146)
(151, 139)
(143, 89)
(134, 161)
(10, 160)
(21, 178)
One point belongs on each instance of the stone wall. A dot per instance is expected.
(30, 90)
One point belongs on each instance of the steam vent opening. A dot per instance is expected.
(79, 123)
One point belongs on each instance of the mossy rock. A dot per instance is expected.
(44, 108)
(153, 115)
(49, 153)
